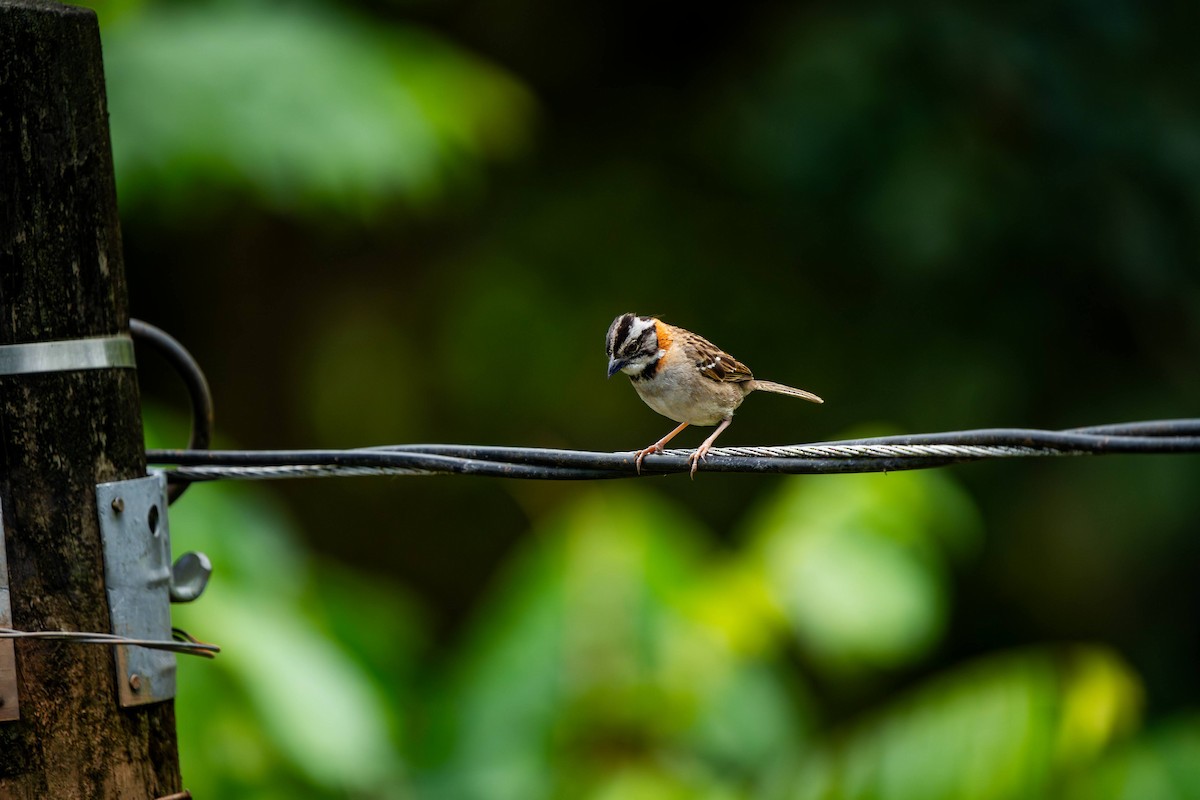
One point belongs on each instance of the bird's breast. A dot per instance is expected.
(681, 393)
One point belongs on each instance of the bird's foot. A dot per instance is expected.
(696, 457)
(641, 454)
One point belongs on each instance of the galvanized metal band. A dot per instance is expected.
(65, 355)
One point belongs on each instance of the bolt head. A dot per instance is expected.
(118, 504)
(135, 682)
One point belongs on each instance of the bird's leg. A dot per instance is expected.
(702, 450)
(657, 447)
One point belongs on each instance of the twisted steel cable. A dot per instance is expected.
(877, 454)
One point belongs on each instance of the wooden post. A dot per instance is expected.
(62, 277)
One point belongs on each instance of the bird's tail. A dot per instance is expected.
(779, 388)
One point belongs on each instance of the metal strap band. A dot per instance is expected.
(100, 352)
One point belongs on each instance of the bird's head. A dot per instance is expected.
(632, 344)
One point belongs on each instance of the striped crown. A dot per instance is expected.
(631, 336)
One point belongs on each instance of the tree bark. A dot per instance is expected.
(61, 433)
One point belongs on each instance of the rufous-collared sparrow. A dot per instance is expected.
(684, 377)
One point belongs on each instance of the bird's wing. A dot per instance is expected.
(715, 363)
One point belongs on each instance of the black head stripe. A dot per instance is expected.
(623, 324)
(645, 344)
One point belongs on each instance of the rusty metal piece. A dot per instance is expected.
(10, 706)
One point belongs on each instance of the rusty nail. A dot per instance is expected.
(135, 682)
(118, 504)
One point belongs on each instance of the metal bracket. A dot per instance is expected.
(10, 707)
(140, 583)
(137, 576)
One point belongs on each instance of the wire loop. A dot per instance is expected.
(177, 355)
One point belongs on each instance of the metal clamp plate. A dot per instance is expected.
(98, 352)
(137, 573)
(9, 706)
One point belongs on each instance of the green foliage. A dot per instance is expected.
(860, 564)
(288, 703)
(942, 131)
(1163, 764)
(1017, 726)
(590, 672)
(304, 108)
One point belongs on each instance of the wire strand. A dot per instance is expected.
(183, 643)
(877, 454)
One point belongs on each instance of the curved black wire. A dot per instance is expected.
(177, 355)
(1159, 436)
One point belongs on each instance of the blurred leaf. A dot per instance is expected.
(1005, 727)
(632, 782)
(587, 659)
(737, 604)
(301, 106)
(752, 722)
(314, 702)
(1161, 764)
(859, 563)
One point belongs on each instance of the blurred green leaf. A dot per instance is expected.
(310, 697)
(1161, 764)
(303, 107)
(859, 564)
(588, 657)
(1005, 727)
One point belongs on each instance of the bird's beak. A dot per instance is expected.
(615, 365)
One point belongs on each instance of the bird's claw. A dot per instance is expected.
(641, 454)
